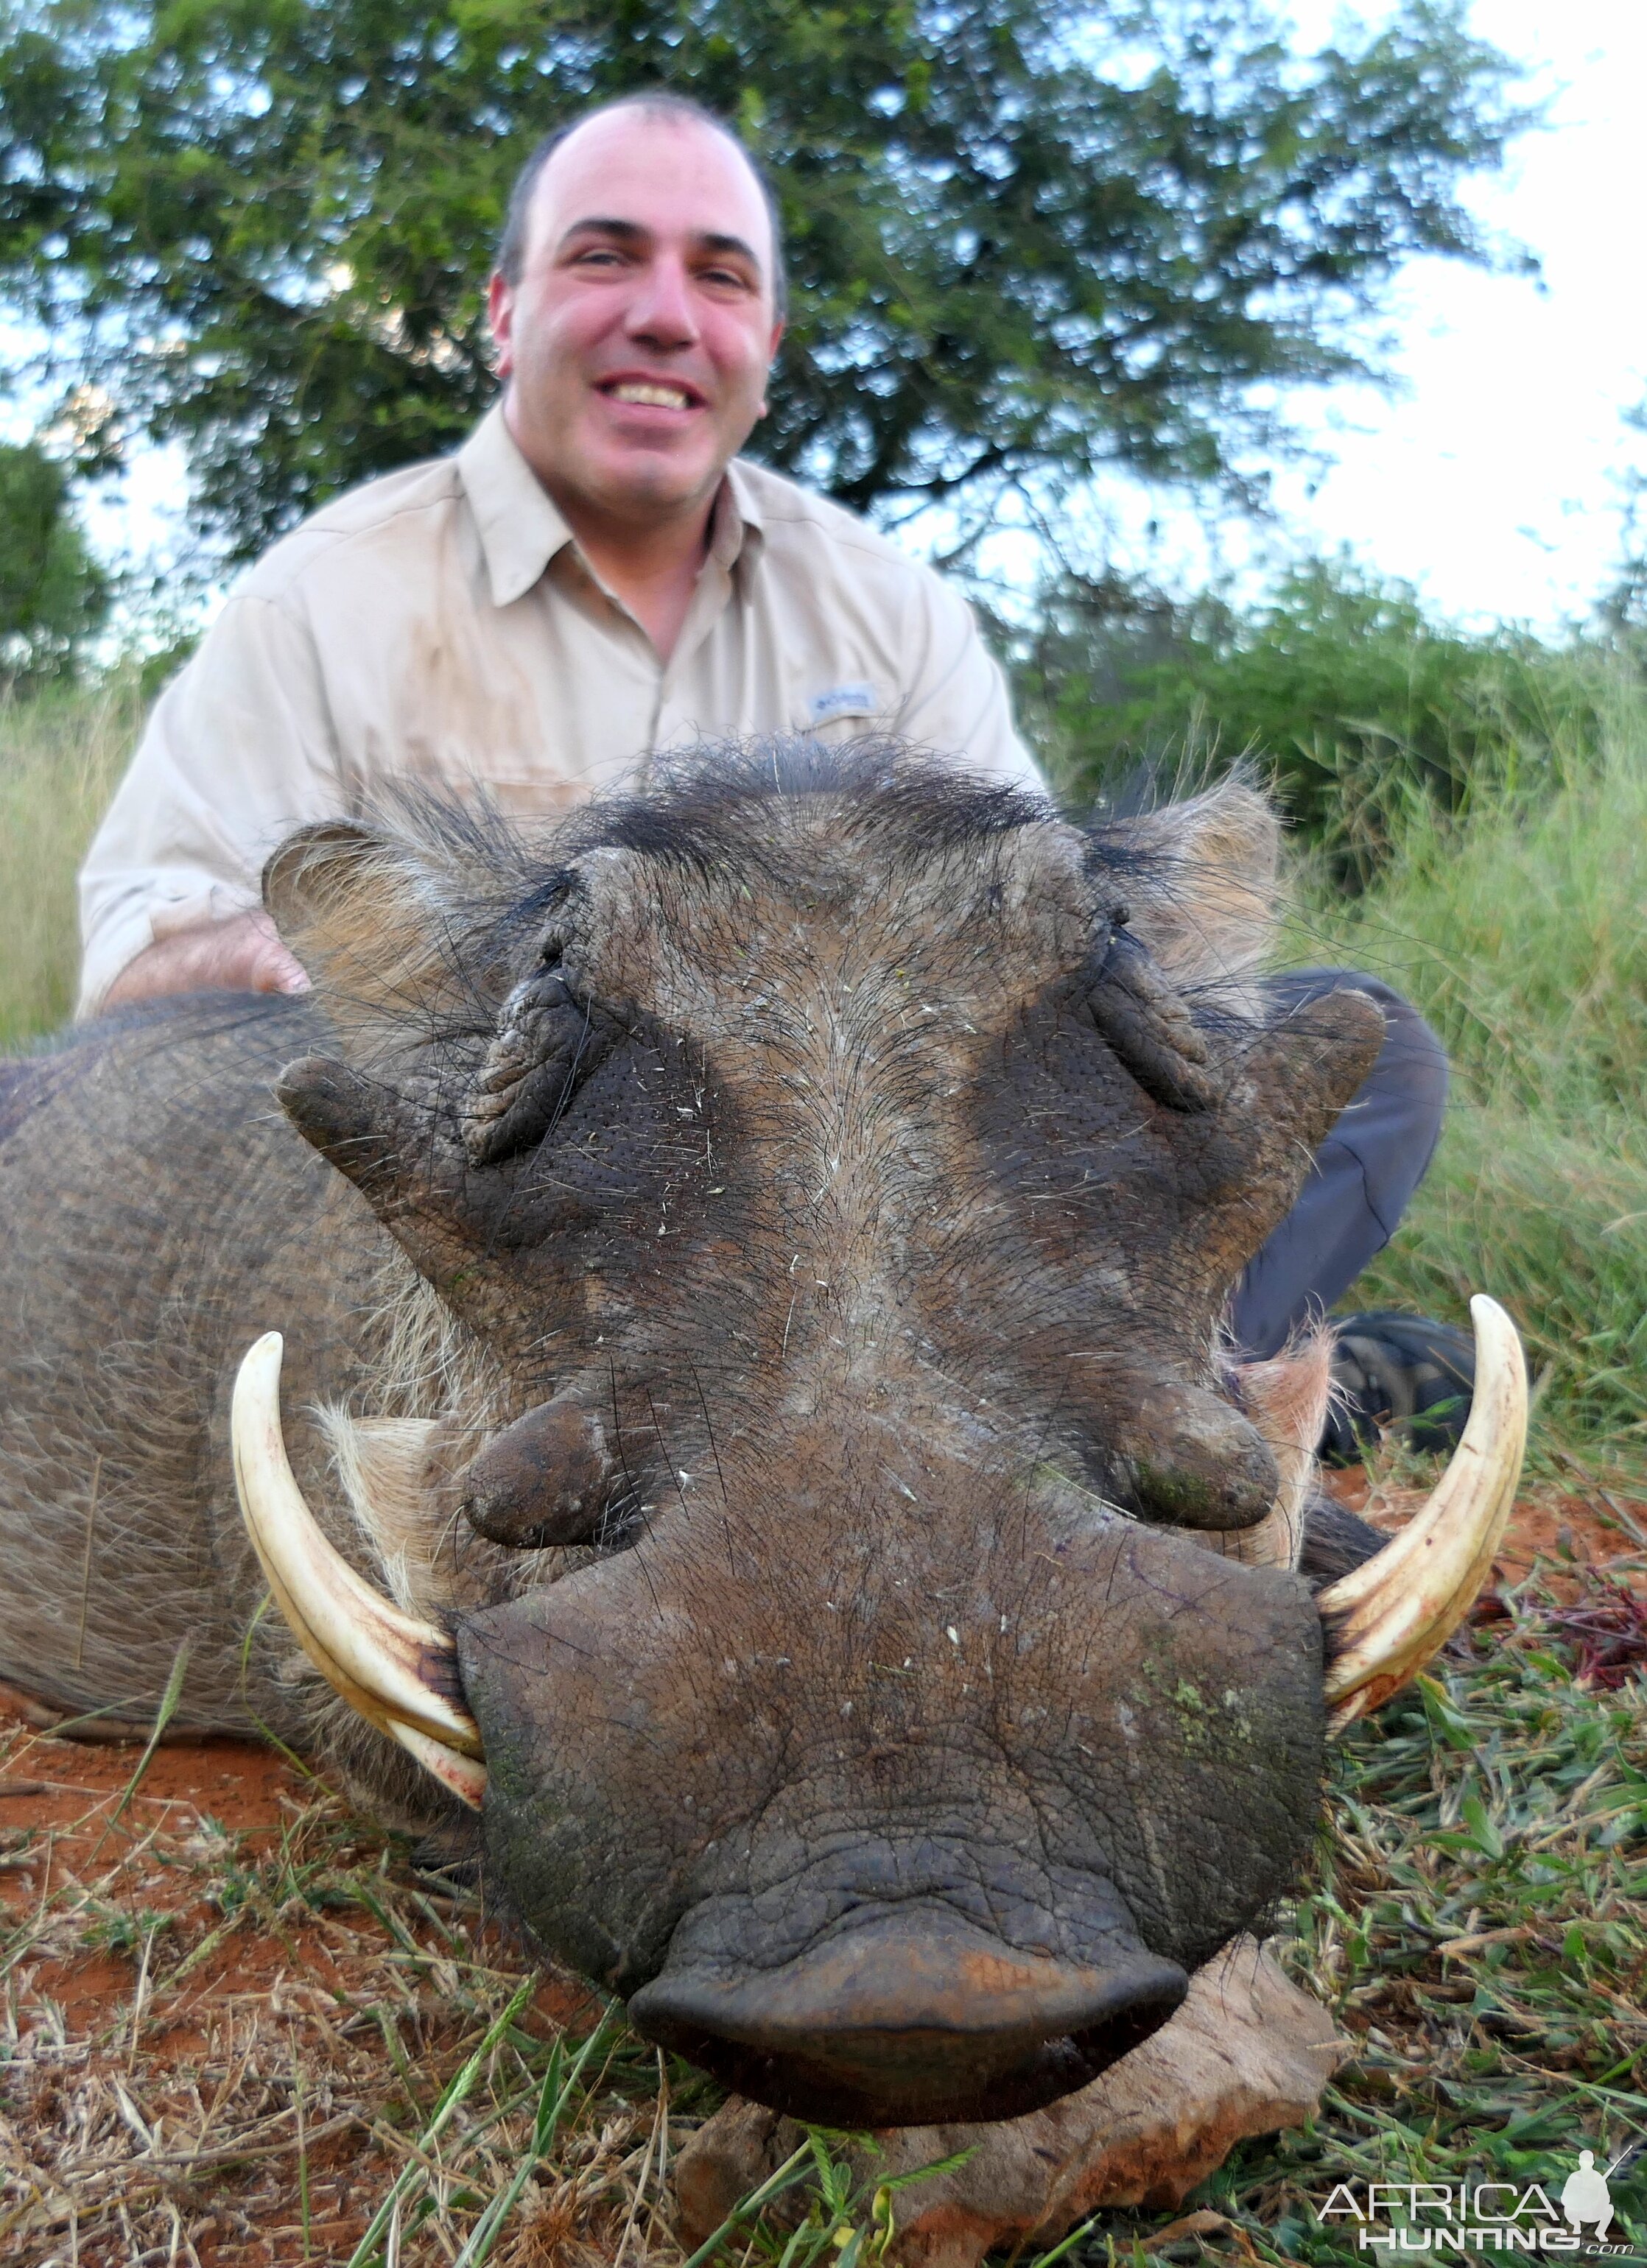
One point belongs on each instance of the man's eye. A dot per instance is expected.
(727, 278)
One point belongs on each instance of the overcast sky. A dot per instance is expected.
(1490, 480)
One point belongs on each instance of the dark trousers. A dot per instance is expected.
(1364, 1176)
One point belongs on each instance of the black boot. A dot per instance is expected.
(1392, 1370)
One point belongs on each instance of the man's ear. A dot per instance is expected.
(1209, 908)
(772, 345)
(501, 318)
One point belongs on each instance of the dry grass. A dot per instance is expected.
(61, 755)
(275, 2042)
(1478, 1923)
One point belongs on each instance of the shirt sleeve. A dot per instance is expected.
(240, 749)
(955, 701)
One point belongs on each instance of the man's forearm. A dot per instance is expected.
(244, 955)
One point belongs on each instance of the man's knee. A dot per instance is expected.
(1364, 1174)
(1406, 1087)
(1412, 1059)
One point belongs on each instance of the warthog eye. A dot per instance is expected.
(547, 1042)
(1149, 1026)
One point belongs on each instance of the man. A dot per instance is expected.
(594, 579)
(590, 580)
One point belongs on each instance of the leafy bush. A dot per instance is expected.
(1472, 813)
(1364, 711)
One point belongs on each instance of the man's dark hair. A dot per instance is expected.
(663, 104)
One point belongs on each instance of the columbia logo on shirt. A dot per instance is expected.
(843, 701)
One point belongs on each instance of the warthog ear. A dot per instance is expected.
(399, 922)
(370, 923)
(1205, 906)
(1307, 1066)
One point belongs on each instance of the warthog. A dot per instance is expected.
(753, 1425)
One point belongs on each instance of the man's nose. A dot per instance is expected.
(661, 313)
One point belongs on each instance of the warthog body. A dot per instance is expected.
(750, 1267)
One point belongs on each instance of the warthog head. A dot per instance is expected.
(879, 1620)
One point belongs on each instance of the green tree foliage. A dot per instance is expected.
(1364, 710)
(1028, 238)
(52, 596)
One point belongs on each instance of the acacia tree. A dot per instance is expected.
(1025, 240)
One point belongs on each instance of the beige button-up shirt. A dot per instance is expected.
(441, 624)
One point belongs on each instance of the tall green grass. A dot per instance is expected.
(62, 752)
(1520, 928)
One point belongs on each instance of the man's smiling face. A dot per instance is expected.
(636, 342)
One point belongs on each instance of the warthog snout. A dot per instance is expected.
(935, 1832)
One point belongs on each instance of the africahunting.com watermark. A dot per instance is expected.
(1574, 2214)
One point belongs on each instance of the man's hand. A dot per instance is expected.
(244, 955)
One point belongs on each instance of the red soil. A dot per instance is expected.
(1565, 1531)
(184, 1967)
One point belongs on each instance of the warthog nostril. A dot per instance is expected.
(908, 2017)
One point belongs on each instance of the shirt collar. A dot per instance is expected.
(520, 530)
(740, 524)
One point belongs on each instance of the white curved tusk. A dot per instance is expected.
(464, 1775)
(1389, 1615)
(398, 1672)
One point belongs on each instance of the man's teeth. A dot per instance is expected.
(652, 397)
